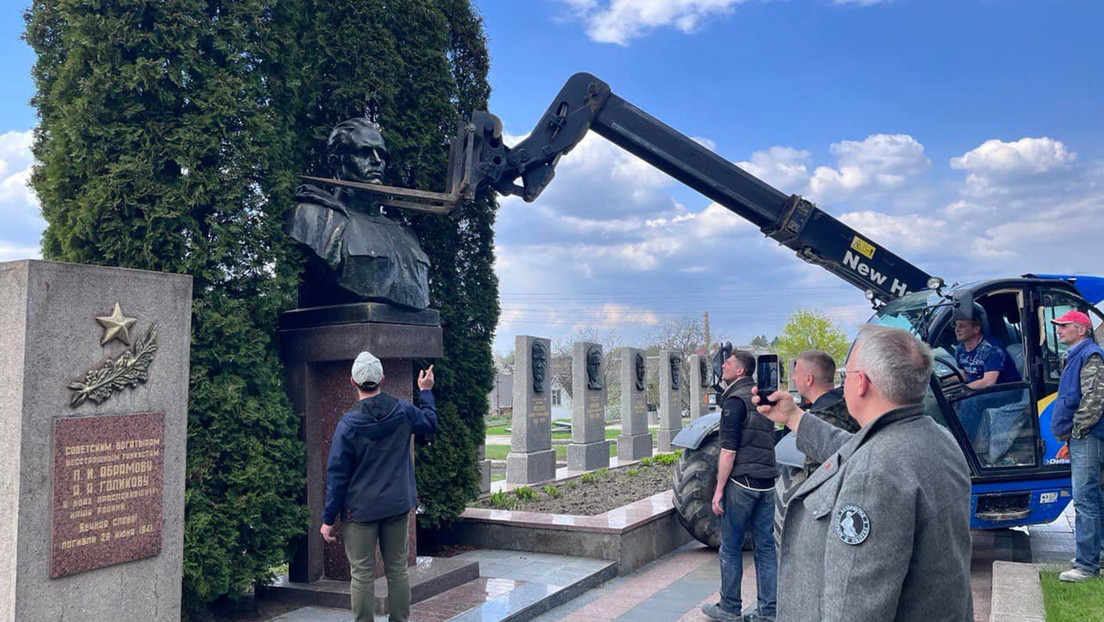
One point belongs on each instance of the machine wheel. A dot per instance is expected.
(693, 481)
(788, 477)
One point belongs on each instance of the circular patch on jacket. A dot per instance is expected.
(852, 524)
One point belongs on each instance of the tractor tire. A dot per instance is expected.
(788, 477)
(693, 481)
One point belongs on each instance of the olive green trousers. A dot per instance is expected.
(360, 548)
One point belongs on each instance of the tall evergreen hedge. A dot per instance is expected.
(424, 62)
(171, 133)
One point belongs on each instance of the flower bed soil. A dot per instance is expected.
(591, 494)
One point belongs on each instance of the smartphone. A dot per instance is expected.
(766, 376)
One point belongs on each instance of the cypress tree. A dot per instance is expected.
(158, 148)
(424, 62)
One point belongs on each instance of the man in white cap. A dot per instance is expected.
(370, 479)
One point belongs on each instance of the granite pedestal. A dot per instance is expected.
(634, 443)
(318, 361)
(589, 448)
(531, 459)
(92, 479)
(670, 398)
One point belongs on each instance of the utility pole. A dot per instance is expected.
(705, 317)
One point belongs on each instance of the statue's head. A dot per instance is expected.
(357, 151)
(594, 368)
(640, 371)
(540, 363)
(703, 371)
(676, 365)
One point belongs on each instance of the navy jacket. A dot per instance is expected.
(370, 472)
(1069, 390)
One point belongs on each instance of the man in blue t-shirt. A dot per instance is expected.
(983, 358)
(986, 363)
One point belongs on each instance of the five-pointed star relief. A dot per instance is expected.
(116, 326)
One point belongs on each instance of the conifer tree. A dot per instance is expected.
(157, 148)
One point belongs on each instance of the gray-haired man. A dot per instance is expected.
(881, 531)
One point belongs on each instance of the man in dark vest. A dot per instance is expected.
(1077, 413)
(744, 497)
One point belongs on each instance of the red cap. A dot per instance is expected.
(1074, 317)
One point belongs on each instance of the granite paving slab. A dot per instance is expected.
(514, 586)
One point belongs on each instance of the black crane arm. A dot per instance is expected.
(479, 158)
(587, 103)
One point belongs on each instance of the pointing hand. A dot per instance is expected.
(425, 379)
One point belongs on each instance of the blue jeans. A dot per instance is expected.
(1086, 460)
(748, 509)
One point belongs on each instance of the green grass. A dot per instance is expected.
(498, 430)
(498, 477)
(498, 452)
(1072, 602)
(611, 434)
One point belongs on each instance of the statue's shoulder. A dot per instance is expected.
(309, 195)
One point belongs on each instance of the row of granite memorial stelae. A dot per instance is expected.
(532, 459)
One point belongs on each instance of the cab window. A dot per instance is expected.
(996, 414)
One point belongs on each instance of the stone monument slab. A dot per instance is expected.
(670, 398)
(634, 443)
(531, 459)
(589, 448)
(94, 371)
(699, 385)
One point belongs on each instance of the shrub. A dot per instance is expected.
(553, 491)
(668, 459)
(525, 493)
(503, 500)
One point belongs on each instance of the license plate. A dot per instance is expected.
(1048, 497)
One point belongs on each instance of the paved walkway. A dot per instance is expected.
(674, 587)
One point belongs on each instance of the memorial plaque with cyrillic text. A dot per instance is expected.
(107, 490)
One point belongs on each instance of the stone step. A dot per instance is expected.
(428, 578)
(513, 586)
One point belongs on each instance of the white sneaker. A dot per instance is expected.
(1075, 575)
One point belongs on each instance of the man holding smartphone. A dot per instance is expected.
(744, 497)
(881, 531)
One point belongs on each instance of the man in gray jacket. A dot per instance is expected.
(881, 531)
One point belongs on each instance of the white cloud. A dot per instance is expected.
(1029, 156)
(878, 162)
(21, 221)
(1000, 168)
(782, 167)
(620, 21)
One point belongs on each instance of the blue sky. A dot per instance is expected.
(964, 135)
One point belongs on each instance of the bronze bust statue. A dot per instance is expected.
(594, 368)
(539, 362)
(640, 371)
(676, 365)
(358, 254)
